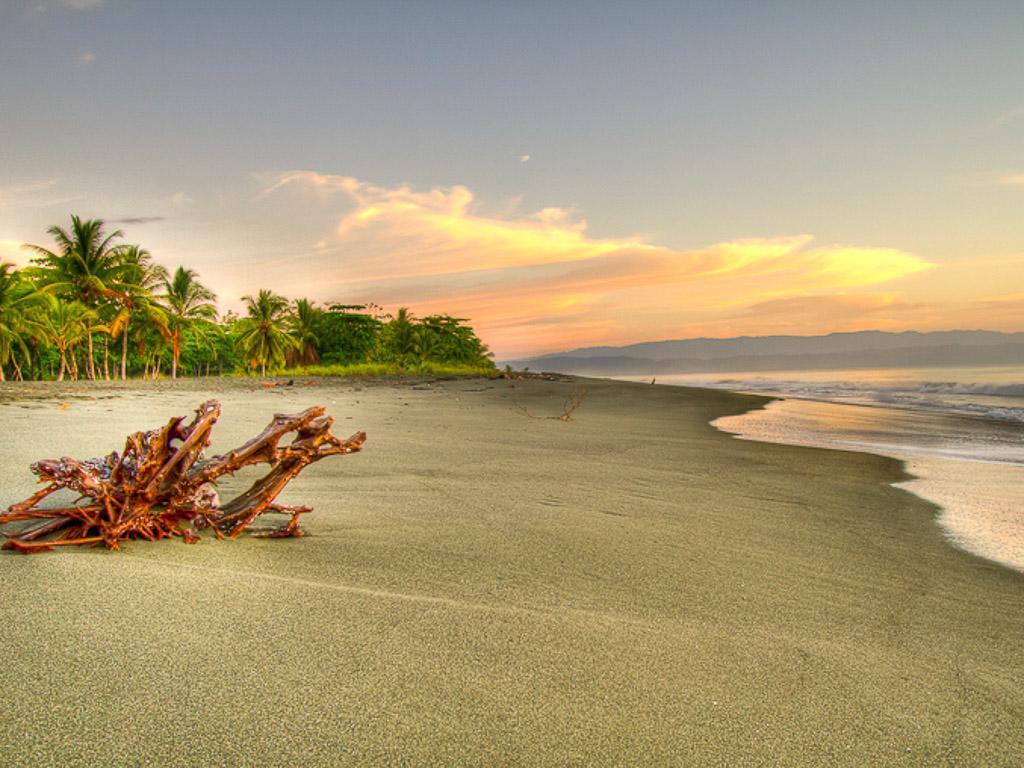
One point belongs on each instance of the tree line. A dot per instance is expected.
(91, 306)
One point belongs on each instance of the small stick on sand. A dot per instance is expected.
(574, 401)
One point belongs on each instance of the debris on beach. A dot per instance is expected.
(531, 376)
(574, 401)
(162, 485)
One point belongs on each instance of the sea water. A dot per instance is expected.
(960, 432)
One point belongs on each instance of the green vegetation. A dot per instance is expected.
(428, 368)
(94, 307)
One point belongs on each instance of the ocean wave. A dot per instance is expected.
(956, 388)
(998, 401)
(840, 387)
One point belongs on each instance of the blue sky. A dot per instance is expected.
(691, 135)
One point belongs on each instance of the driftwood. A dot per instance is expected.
(574, 401)
(162, 486)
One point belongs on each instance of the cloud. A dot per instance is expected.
(138, 219)
(524, 158)
(12, 252)
(87, 58)
(529, 277)
(181, 199)
(845, 312)
(1007, 117)
(10, 192)
(1012, 180)
(35, 194)
(73, 5)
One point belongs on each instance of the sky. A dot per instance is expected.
(562, 174)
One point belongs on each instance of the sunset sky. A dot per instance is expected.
(562, 174)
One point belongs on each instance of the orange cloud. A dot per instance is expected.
(12, 252)
(539, 279)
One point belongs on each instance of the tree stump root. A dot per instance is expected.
(162, 485)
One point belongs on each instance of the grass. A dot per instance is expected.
(390, 369)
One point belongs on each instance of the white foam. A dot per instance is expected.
(972, 469)
(982, 504)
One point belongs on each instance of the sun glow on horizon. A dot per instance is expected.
(535, 282)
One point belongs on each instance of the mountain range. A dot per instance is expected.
(861, 349)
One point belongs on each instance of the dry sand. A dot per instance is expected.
(479, 587)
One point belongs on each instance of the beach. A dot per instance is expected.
(481, 586)
(972, 467)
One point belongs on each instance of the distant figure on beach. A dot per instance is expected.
(652, 381)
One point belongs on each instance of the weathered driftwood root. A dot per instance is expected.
(162, 486)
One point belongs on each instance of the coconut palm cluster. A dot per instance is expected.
(93, 306)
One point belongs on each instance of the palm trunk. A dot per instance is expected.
(17, 369)
(63, 365)
(175, 352)
(74, 364)
(263, 369)
(90, 368)
(106, 359)
(124, 353)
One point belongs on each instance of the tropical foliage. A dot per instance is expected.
(187, 300)
(263, 335)
(93, 306)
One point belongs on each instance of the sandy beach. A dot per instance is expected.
(971, 468)
(630, 587)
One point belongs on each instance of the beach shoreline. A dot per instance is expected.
(979, 497)
(630, 586)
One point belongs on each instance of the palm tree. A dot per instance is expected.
(65, 324)
(84, 267)
(17, 322)
(150, 342)
(403, 335)
(263, 335)
(303, 327)
(424, 345)
(186, 300)
(140, 277)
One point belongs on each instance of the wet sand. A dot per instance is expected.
(982, 504)
(972, 469)
(631, 587)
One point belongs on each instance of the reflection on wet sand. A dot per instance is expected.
(972, 468)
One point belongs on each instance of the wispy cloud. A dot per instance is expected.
(35, 194)
(526, 277)
(12, 252)
(1007, 117)
(1012, 180)
(14, 191)
(86, 58)
(138, 219)
(73, 5)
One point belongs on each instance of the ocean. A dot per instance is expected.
(960, 432)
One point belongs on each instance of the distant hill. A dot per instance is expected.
(863, 349)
